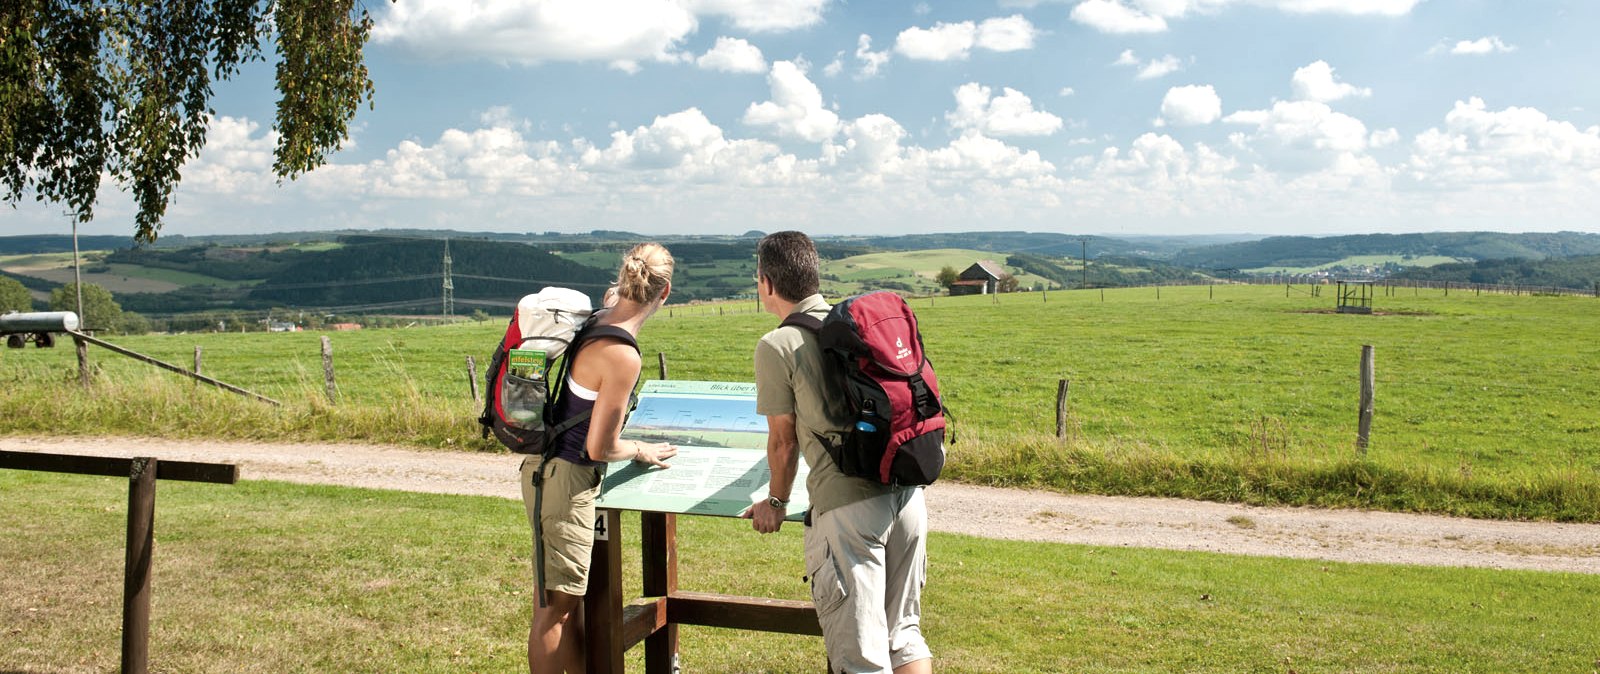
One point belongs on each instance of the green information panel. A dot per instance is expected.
(721, 466)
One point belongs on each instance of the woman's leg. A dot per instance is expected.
(553, 641)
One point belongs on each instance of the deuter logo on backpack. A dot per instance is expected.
(898, 432)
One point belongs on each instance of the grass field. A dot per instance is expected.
(265, 577)
(915, 268)
(121, 278)
(1486, 405)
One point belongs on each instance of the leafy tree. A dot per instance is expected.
(14, 296)
(92, 87)
(134, 324)
(947, 276)
(1007, 284)
(100, 311)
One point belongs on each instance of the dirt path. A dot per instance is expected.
(1337, 535)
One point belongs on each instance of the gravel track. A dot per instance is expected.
(1335, 535)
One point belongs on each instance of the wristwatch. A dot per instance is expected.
(777, 503)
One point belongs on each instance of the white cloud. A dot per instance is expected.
(1126, 58)
(733, 55)
(1011, 33)
(1150, 16)
(763, 15)
(1383, 138)
(1482, 45)
(534, 31)
(796, 108)
(1111, 16)
(1010, 114)
(834, 67)
(1478, 146)
(955, 41)
(1300, 136)
(871, 61)
(1191, 105)
(942, 42)
(1316, 82)
(1066, 91)
(1161, 67)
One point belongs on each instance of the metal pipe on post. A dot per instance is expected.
(1061, 408)
(1368, 381)
(327, 371)
(136, 582)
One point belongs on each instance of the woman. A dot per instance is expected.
(604, 369)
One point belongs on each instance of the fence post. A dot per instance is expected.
(327, 370)
(1364, 426)
(1102, 295)
(197, 359)
(472, 376)
(83, 362)
(1061, 408)
(1158, 293)
(661, 357)
(1211, 291)
(136, 581)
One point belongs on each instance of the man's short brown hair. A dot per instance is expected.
(789, 261)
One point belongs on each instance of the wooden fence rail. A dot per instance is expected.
(142, 474)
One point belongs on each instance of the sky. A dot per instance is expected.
(1115, 117)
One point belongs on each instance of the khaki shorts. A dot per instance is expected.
(568, 513)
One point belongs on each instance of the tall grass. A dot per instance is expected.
(1486, 406)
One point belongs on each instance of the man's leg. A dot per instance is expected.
(906, 566)
(553, 640)
(845, 560)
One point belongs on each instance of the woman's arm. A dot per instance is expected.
(618, 367)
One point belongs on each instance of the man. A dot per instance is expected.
(864, 542)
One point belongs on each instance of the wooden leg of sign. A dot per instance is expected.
(658, 538)
(136, 581)
(602, 606)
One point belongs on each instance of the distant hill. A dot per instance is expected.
(1303, 251)
(1048, 244)
(31, 244)
(1579, 272)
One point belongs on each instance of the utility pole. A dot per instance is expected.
(77, 275)
(449, 284)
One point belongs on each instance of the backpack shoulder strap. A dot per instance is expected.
(802, 320)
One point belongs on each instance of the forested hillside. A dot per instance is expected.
(1581, 272)
(1304, 251)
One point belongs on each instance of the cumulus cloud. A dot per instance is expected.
(1316, 82)
(1152, 69)
(1066, 91)
(955, 41)
(1482, 45)
(763, 15)
(1479, 146)
(1190, 106)
(1010, 114)
(871, 61)
(1301, 136)
(733, 55)
(796, 108)
(1151, 16)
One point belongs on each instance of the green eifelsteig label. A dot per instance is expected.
(527, 363)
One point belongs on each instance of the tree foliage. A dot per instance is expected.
(123, 89)
(947, 276)
(101, 312)
(14, 296)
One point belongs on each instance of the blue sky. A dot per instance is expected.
(1119, 117)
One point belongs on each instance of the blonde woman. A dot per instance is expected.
(604, 370)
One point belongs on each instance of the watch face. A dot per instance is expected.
(774, 502)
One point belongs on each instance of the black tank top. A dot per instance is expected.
(572, 445)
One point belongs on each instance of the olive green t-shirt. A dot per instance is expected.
(790, 380)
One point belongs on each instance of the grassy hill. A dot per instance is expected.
(1302, 251)
(1581, 272)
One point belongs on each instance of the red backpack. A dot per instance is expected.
(898, 428)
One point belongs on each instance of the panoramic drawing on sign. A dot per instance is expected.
(721, 466)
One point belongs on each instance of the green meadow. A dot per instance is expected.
(264, 577)
(1362, 261)
(1485, 405)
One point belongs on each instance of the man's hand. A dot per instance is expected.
(655, 453)
(765, 518)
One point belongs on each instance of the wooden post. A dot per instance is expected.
(1211, 291)
(472, 376)
(197, 359)
(658, 542)
(661, 358)
(136, 581)
(1061, 408)
(83, 362)
(602, 606)
(1364, 426)
(327, 370)
(1102, 294)
(1158, 293)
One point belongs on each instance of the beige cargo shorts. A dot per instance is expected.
(568, 519)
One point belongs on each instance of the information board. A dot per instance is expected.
(721, 466)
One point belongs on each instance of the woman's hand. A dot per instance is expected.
(654, 453)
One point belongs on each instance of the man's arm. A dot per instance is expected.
(782, 460)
